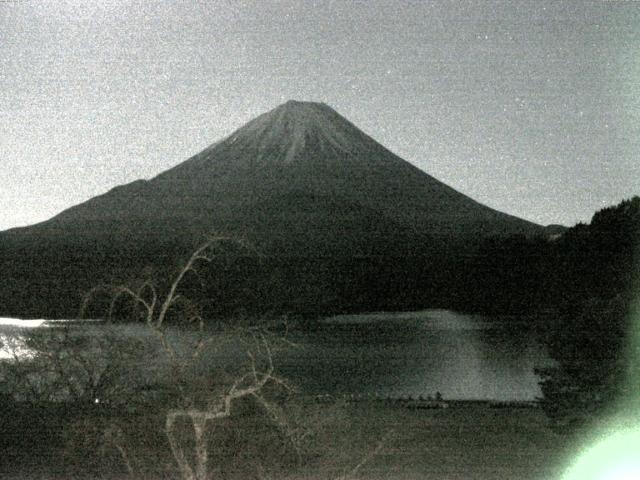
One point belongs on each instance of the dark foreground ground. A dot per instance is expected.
(365, 440)
(467, 441)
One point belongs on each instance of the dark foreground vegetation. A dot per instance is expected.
(580, 287)
(75, 409)
(591, 297)
(375, 440)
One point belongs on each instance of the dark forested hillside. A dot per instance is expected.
(590, 291)
(580, 284)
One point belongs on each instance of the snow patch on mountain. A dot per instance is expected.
(295, 126)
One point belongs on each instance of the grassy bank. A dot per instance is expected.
(465, 441)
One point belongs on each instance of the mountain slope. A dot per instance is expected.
(297, 147)
(298, 181)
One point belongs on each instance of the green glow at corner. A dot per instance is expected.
(616, 455)
(615, 458)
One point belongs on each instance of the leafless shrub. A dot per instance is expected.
(207, 406)
(201, 400)
(65, 364)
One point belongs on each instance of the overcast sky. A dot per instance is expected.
(530, 107)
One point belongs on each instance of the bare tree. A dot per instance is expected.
(83, 366)
(258, 371)
(71, 365)
(60, 363)
(201, 405)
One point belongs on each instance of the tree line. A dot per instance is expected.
(581, 287)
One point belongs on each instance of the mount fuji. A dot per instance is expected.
(298, 182)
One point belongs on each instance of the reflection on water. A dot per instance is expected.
(419, 353)
(12, 332)
(13, 322)
(12, 343)
(388, 355)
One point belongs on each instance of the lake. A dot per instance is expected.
(396, 355)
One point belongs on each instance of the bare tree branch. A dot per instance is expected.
(249, 382)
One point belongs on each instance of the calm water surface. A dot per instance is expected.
(419, 353)
(403, 354)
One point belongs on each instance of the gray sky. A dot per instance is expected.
(530, 107)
